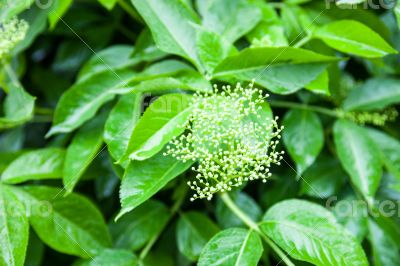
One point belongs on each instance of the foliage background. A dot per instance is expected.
(74, 92)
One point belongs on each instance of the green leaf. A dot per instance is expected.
(226, 218)
(58, 9)
(109, 4)
(121, 122)
(138, 227)
(81, 152)
(352, 214)
(9, 9)
(320, 84)
(350, 36)
(397, 13)
(308, 232)
(70, 224)
(303, 137)
(234, 246)
(318, 182)
(359, 157)
(376, 93)
(171, 24)
(82, 100)
(18, 107)
(160, 122)
(282, 70)
(231, 19)
(111, 257)
(193, 231)
(46, 163)
(212, 49)
(14, 229)
(108, 60)
(390, 150)
(384, 248)
(145, 48)
(143, 179)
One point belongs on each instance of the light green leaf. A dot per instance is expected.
(320, 84)
(108, 60)
(81, 152)
(70, 225)
(82, 100)
(143, 179)
(234, 246)
(323, 179)
(376, 93)
(138, 227)
(35, 165)
(171, 24)
(226, 218)
(212, 49)
(58, 9)
(9, 9)
(231, 19)
(146, 49)
(384, 248)
(193, 231)
(159, 124)
(109, 4)
(112, 257)
(120, 123)
(350, 36)
(14, 229)
(303, 137)
(390, 150)
(282, 70)
(308, 232)
(18, 107)
(359, 157)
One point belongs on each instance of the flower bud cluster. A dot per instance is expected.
(374, 118)
(229, 139)
(12, 31)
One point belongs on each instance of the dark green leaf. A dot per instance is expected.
(233, 246)
(226, 218)
(308, 232)
(383, 246)
(81, 152)
(112, 257)
(194, 229)
(71, 224)
(121, 122)
(324, 178)
(35, 165)
(390, 150)
(303, 137)
(376, 93)
(138, 227)
(143, 179)
(359, 157)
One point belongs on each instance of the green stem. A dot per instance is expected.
(175, 208)
(303, 41)
(322, 110)
(130, 10)
(252, 225)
